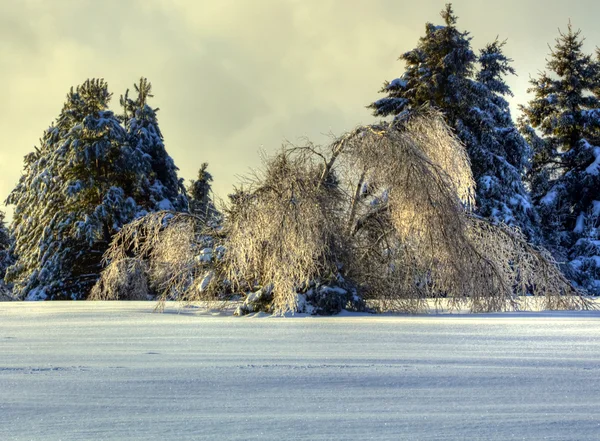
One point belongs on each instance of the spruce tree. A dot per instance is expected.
(442, 72)
(562, 122)
(4, 236)
(500, 155)
(162, 189)
(78, 189)
(4, 247)
(199, 194)
(438, 73)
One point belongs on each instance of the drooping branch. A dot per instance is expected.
(307, 220)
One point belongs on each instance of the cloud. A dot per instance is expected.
(234, 76)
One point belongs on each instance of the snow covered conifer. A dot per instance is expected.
(5, 259)
(199, 194)
(4, 237)
(438, 73)
(76, 192)
(162, 189)
(4, 246)
(501, 156)
(35, 198)
(441, 72)
(562, 122)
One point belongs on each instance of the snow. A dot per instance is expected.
(164, 204)
(334, 289)
(115, 370)
(398, 83)
(549, 198)
(593, 167)
(485, 182)
(579, 224)
(205, 255)
(205, 282)
(596, 208)
(303, 304)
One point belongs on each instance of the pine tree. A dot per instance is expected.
(562, 122)
(199, 193)
(441, 72)
(78, 189)
(162, 189)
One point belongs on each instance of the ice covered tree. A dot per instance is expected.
(562, 121)
(200, 195)
(162, 188)
(379, 215)
(78, 189)
(442, 72)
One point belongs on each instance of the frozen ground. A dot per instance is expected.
(108, 371)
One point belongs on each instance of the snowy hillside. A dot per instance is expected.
(108, 371)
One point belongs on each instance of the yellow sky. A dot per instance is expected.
(232, 77)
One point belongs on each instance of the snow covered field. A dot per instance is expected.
(108, 371)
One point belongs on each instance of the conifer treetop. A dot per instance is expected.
(444, 73)
(448, 15)
(562, 122)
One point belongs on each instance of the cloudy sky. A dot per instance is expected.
(232, 77)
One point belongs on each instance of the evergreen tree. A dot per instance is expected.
(162, 189)
(199, 193)
(36, 198)
(4, 237)
(494, 67)
(4, 247)
(73, 196)
(78, 189)
(438, 73)
(500, 155)
(562, 122)
(442, 72)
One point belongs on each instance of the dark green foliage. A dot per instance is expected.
(75, 193)
(442, 72)
(199, 195)
(4, 237)
(78, 189)
(438, 73)
(161, 187)
(4, 247)
(562, 122)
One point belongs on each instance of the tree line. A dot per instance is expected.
(447, 198)
(92, 173)
(541, 174)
